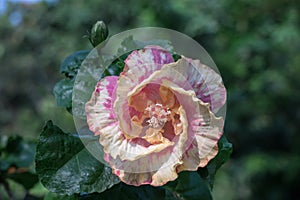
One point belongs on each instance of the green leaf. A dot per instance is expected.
(176, 56)
(27, 179)
(120, 191)
(225, 150)
(72, 63)
(188, 186)
(115, 68)
(65, 166)
(127, 192)
(63, 93)
(64, 88)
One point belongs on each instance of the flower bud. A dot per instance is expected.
(99, 33)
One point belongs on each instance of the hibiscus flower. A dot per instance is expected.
(158, 117)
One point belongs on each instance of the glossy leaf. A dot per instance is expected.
(127, 192)
(64, 88)
(115, 68)
(120, 191)
(72, 63)
(65, 166)
(63, 92)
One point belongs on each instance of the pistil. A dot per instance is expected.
(158, 114)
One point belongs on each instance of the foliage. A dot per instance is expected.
(65, 166)
(63, 89)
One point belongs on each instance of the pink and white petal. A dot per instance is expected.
(192, 160)
(148, 59)
(99, 110)
(193, 75)
(205, 128)
(102, 121)
(116, 145)
(206, 83)
(154, 178)
(140, 64)
(156, 168)
(208, 130)
(196, 109)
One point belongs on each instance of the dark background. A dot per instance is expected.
(255, 44)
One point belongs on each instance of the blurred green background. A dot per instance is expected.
(255, 44)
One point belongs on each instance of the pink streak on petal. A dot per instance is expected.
(99, 110)
(144, 62)
(111, 89)
(206, 83)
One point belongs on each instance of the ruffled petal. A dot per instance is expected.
(192, 158)
(166, 171)
(99, 110)
(153, 158)
(156, 168)
(114, 143)
(103, 121)
(140, 64)
(206, 83)
(205, 128)
(147, 60)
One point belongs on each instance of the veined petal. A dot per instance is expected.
(193, 75)
(160, 119)
(116, 145)
(204, 128)
(204, 131)
(154, 178)
(207, 130)
(156, 168)
(192, 158)
(165, 171)
(206, 83)
(140, 64)
(99, 110)
(148, 59)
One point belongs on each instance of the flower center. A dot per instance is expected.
(158, 115)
